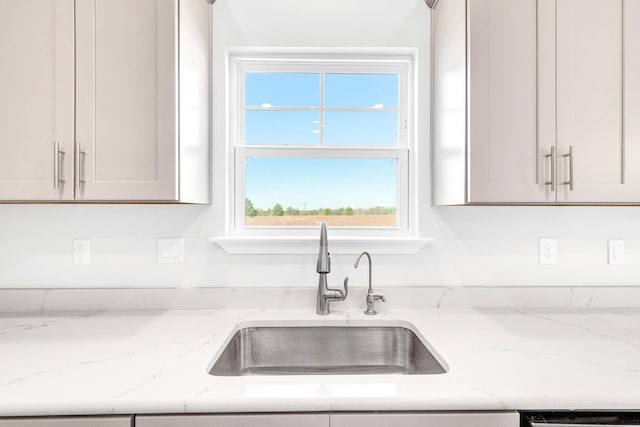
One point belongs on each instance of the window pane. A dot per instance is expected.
(282, 90)
(361, 90)
(305, 192)
(282, 127)
(361, 128)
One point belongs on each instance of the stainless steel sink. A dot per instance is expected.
(325, 350)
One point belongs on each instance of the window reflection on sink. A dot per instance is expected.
(323, 349)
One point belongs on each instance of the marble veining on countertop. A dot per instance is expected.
(133, 362)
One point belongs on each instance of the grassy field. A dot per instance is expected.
(315, 220)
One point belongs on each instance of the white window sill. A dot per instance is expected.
(309, 245)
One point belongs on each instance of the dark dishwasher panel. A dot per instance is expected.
(579, 419)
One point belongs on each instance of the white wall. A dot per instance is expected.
(474, 246)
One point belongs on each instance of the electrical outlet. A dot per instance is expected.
(81, 252)
(616, 252)
(171, 250)
(548, 250)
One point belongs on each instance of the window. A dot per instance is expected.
(316, 138)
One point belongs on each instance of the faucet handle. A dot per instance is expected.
(346, 287)
(372, 298)
(339, 294)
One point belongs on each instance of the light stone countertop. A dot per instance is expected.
(134, 362)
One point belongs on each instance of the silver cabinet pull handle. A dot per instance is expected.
(58, 161)
(570, 156)
(79, 165)
(55, 164)
(552, 181)
(82, 164)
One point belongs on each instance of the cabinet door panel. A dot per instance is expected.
(67, 422)
(632, 98)
(239, 420)
(126, 95)
(507, 160)
(590, 40)
(36, 105)
(436, 419)
(449, 103)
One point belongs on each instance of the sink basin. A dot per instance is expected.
(325, 350)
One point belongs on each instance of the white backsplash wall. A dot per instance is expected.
(474, 245)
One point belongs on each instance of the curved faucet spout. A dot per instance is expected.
(358, 262)
(372, 296)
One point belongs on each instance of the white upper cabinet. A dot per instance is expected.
(506, 156)
(491, 138)
(126, 91)
(449, 103)
(550, 94)
(136, 137)
(593, 149)
(631, 99)
(36, 101)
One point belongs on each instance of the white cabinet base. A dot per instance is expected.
(123, 421)
(237, 420)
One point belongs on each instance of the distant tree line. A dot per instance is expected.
(278, 210)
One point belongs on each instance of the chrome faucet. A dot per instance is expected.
(372, 296)
(326, 294)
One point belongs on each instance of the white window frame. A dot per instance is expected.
(404, 153)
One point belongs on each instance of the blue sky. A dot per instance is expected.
(303, 90)
(316, 183)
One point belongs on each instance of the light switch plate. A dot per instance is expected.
(548, 250)
(616, 252)
(81, 252)
(171, 250)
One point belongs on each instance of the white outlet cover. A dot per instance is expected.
(171, 250)
(81, 252)
(548, 253)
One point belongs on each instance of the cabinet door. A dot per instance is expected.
(68, 422)
(36, 105)
(126, 65)
(591, 120)
(436, 419)
(508, 138)
(631, 83)
(239, 420)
